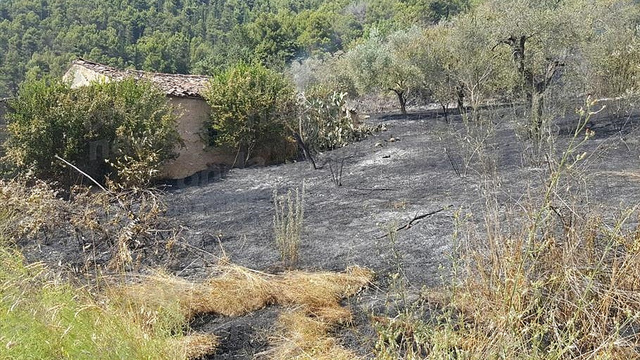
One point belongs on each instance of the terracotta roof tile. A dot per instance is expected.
(178, 85)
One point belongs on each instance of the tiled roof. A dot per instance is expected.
(178, 85)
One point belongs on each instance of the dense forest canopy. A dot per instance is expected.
(191, 36)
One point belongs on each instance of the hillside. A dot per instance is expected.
(405, 179)
(189, 36)
(468, 183)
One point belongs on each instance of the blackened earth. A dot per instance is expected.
(420, 164)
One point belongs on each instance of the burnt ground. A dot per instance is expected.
(418, 165)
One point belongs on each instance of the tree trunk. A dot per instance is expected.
(534, 87)
(537, 104)
(402, 99)
(446, 112)
(305, 150)
(460, 98)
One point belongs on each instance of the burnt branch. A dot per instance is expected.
(416, 219)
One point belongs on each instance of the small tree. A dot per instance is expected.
(252, 110)
(122, 130)
(464, 70)
(390, 64)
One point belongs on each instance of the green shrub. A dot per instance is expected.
(122, 130)
(252, 111)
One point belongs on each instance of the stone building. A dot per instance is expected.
(185, 94)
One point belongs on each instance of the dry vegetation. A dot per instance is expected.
(543, 278)
(313, 300)
(571, 294)
(126, 226)
(156, 308)
(287, 224)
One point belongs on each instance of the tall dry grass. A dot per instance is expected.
(287, 224)
(544, 280)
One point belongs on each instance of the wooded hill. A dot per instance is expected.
(190, 36)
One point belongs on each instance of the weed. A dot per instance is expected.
(336, 175)
(287, 224)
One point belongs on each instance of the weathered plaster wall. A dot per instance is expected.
(195, 156)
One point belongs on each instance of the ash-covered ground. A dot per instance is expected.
(421, 164)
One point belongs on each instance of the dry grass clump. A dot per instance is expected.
(307, 337)
(236, 291)
(304, 331)
(195, 346)
(38, 206)
(572, 294)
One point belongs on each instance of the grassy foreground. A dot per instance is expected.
(131, 316)
(42, 317)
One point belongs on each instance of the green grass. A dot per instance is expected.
(42, 317)
(45, 317)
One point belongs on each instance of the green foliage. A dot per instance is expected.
(426, 12)
(388, 64)
(252, 111)
(188, 36)
(274, 39)
(130, 122)
(42, 317)
(326, 122)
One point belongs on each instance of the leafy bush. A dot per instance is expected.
(252, 109)
(122, 130)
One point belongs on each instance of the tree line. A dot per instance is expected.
(190, 36)
(544, 54)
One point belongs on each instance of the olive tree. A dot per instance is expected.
(540, 36)
(611, 56)
(460, 67)
(391, 64)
